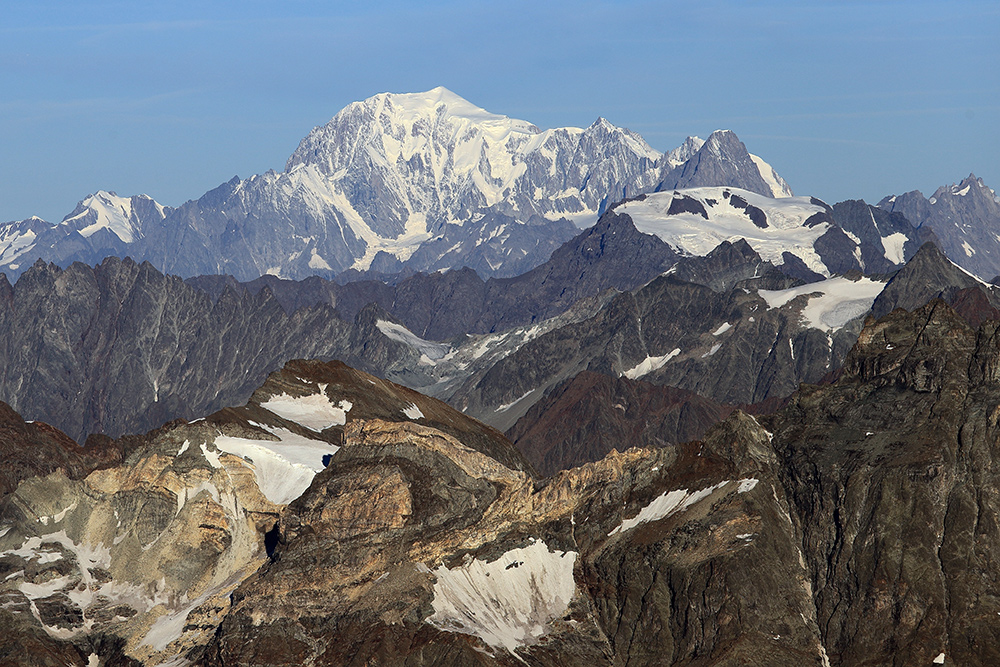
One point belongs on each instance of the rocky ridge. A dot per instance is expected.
(137, 560)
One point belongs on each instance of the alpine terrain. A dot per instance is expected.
(454, 390)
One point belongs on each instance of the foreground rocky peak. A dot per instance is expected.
(421, 551)
(138, 558)
(891, 470)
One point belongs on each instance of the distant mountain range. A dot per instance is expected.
(425, 181)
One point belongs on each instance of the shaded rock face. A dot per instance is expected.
(887, 238)
(892, 475)
(728, 264)
(30, 449)
(721, 160)
(492, 244)
(122, 348)
(930, 275)
(730, 347)
(582, 419)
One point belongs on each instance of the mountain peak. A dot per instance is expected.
(721, 160)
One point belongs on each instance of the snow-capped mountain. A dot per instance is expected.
(18, 238)
(434, 155)
(125, 217)
(102, 224)
(781, 230)
(425, 181)
(966, 219)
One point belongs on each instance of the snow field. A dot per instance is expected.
(507, 602)
(840, 300)
(316, 412)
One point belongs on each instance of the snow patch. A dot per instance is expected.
(508, 406)
(213, 458)
(283, 469)
(413, 412)
(316, 412)
(507, 602)
(723, 328)
(316, 261)
(59, 516)
(715, 348)
(400, 334)
(184, 447)
(969, 250)
(667, 504)
(939, 660)
(840, 300)
(650, 364)
(893, 245)
(191, 492)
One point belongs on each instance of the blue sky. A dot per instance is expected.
(844, 99)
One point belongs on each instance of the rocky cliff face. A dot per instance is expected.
(965, 218)
(423, 552)
(740, 346)
(892, 476)
(886, 238)
(721, 160)
(122, 348)
(31, 449)
(930, 275)
(136, 561)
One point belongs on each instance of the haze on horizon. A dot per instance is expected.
(845, 100)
